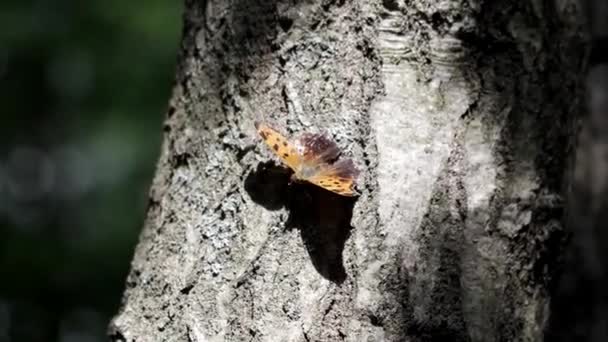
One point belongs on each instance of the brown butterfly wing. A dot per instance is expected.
(286, 151)
(338, 177)
(317, 148)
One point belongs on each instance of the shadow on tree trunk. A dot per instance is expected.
(322, 217)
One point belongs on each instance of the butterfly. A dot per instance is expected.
(314, 159)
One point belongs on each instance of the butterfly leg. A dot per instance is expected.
(293, 179)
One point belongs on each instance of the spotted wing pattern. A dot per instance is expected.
(286, 151)
(338, 177)
(313, 152)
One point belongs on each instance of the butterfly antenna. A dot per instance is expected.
(259, 118)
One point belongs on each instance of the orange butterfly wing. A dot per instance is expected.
(314, 151)
(334, 183)
(285, 150)
(338, 178)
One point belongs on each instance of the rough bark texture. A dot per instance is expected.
(459, 113)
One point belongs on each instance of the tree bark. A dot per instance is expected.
(461, 116)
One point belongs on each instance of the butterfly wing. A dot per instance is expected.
(338, 177)
(313, 152)
(317, 148)
(286, 151)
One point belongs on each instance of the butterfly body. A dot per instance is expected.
(314, 159)
(305, 172)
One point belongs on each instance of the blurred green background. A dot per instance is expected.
(83, 88)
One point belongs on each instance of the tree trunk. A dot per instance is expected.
(461, 117)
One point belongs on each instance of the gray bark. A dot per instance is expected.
(460, 115)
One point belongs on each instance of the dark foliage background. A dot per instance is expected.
(83, 90)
